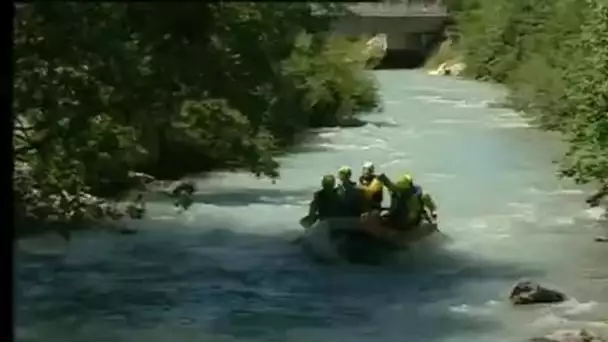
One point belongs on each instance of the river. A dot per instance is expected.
(225, 270)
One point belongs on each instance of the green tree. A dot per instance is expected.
(104, 89)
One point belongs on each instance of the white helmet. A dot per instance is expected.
(369, 166)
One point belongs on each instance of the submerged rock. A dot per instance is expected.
(126, 231)
(570, 336)
(601, 238)
(527, 292)
(180, 187)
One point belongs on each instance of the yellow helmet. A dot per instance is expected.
(328, 181)
(405, 182)
(345, 172)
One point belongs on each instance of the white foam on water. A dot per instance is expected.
(563, 221)
(375, 147)
(398, 154)
(479, 223)
(499, 123)
(471, 310)
(509, 114)
(438, 175)
(454, 121)
(434, 178)
(465, 104)
(393, 102)
(392, 162)
(594, 213)
(556, 192)
(561, 192)
(521, 205)
(438, 90)
(549, 320)
(327, 134)
(598, 324)
(512, 125)
(381, 141)
(437, 100)
(574, 307)
(341, 147)
(523, 211)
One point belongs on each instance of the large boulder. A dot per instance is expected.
(527, 292)
(457, 69)
(440, 71)
(570, 336)
(450, 68)
(375, 50)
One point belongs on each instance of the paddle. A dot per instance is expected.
(306, 222)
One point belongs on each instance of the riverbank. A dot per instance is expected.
(169, 97)
(553, 58)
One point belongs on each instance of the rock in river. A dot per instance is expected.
(569, 336)
(601, 238)
(527, 292)
(450, 68)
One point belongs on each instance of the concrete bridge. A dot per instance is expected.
(412, 27)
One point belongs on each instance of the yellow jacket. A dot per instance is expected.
(373, 188)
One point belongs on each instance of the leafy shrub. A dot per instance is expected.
(102, 89)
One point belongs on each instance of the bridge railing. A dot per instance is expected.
(399, 8)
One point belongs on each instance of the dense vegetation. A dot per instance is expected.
(553, 56)
(103, 89)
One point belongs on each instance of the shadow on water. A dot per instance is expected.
(310, 148)
(251, 287)
(241, 197)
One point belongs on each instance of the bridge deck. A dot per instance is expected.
(399, 10)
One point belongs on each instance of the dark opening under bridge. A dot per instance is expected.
(412, 28)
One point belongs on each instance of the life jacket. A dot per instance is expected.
(415, 206)
(328, 203)
(373, 190)
(406, 207)
(351, 198)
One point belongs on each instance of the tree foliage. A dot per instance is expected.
(553, 56)
(102, 89)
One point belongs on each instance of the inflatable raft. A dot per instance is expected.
(361, 240)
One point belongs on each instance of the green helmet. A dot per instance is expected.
(345, 172)
(328, 181)
(405, 182)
